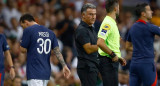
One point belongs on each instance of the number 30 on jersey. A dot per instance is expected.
(43, 46)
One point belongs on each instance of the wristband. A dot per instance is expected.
(112, 54)
(12, 67)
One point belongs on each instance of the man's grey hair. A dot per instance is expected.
(86, 6)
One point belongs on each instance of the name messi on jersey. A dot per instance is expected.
(43, 34)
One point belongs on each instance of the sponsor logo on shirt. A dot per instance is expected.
(104, 29)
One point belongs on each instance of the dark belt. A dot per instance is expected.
(108, 59)
(99, 56)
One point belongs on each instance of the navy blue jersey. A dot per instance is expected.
(3, 47)
(142, 35)
(38, 41)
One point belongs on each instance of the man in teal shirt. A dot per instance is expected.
(109, 44)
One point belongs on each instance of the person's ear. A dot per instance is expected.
(115, 8)
(83, 15)
(143, 14)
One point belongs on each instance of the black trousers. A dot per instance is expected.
(87, 72)
(109, 71)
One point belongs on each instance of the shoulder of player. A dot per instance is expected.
(153, 26)
(141, 24)
(51, 33)
(2, 37)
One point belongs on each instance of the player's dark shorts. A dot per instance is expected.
(143, 74)
(109, 71)
(87, 72)
(1, 78)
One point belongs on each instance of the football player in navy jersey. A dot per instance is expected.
(141, 36)
(38, 41)
(5, 54)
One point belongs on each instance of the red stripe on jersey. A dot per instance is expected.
(0, 78)
(141, 21)
(155, 82)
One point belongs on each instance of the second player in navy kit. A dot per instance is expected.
(38, 41)
(5, 54)
(141, 36)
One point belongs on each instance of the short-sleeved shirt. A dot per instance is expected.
(38, 40)
(85, 34)
(141, 35)
(3, 47)
(110, 33)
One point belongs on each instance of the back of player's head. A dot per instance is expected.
(110, 5)
(140, 8)
(27, 17)
(86, 6)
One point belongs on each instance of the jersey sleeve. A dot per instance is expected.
(5, 44)
(128, 38)
(82, 36)
(54, 42)
(104, 30)
(24, 42)
(155, 29)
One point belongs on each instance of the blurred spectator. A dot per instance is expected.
(22, 6)
(1, 29)
(132, 3)
(158, 3)
(53, 22)
(22, 69)
(1, 15)
(66, 28)
(78, 5)
(67, 54)
(123, 78)
(17, 81)
(16, 31)
(156, 17)
(59, 15)
(62, 17)
(10, 11)
(59, 41)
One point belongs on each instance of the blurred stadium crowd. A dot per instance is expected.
(63, 16)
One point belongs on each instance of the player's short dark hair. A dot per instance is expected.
(27, 17)
(86, 6)
(110, 5)
(140, 8)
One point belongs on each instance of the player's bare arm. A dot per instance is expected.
(90, 48)
(129, 46)
(59, 56)
(23, 50)
(102, 45)
(9, 60)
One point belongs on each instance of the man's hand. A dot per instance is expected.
(66, 72)
(115, 59)
(122, 61)
(12, 73)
